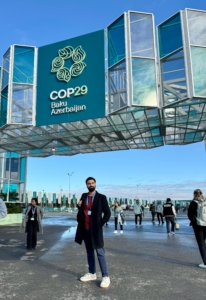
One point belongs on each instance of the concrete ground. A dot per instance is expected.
(144, 263)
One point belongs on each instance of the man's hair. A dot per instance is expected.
(168, 200)
(90, 178)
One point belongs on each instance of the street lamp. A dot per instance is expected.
(43, 200)
(137, 188)
(148, 194)
(70, 174)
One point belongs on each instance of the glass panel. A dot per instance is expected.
(144, 82)
(170, 35)
(14, 168)
(197, 28)
(117, 87)
(22, 168)
(4, 99)
(174, 78)
(198, 57)
(141, 27)
(116, 41)
(23, 71)
(22, 104)
(5, 69)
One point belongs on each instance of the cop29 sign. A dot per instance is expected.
(70, 80)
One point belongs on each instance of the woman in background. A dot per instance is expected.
(32, 223)
(197, 217)
(117, 217)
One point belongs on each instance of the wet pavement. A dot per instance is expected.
(144, 263)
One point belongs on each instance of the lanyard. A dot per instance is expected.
(92, 198)
(33, 210)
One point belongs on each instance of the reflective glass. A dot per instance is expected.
(174, 78)
(23, 71)
(4, 100)
(117, 87)
(22, 104)
(116, 41)
(22, 168)
(141, 28)
(197, 28)
(170, 35)
(6, 61)
(144, 82)
(198, 57)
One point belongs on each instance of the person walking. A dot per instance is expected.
(169, 213)
(117, 217)
(91, 207)
(138, 212)
(3, 209)
(153, 212)
(159, 211)
(32, 223)
(197, 217)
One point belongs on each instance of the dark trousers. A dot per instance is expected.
(168, 221)
(140, 219)
(115, 224)
(200, 234)
(91, 257)
(32, 227)
(153, 215)
(159, 216)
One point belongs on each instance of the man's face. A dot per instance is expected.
(91, 185)
(137, 202)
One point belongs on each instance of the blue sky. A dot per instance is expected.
(167, 171)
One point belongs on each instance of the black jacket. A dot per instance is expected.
(192, 213)
(167, 210)
(100, 206)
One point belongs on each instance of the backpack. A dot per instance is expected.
(201, 212)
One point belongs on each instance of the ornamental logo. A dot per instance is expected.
(76, 55)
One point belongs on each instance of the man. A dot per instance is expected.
(90, 222)
(3, 209)
(153, 212)
(159, 210)
(138, 213)
(169, 213)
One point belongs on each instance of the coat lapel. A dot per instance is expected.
(95, 201)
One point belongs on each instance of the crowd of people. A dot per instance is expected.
(94, 212)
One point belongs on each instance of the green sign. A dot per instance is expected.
(71, 80)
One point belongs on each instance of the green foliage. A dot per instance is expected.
(12, 196)
(13, 208)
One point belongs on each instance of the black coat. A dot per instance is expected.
(192, 213)
(100, 206)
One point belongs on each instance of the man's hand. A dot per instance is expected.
(79, 203)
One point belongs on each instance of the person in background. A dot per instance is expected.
(138, 212)
(142, 207)
(159, 211)
(169, 213)
(197, 217)
(117, 217)
(93, 213)
(3, 209)
(32, 223)
(153, 212)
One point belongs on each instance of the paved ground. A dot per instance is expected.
(144, 263)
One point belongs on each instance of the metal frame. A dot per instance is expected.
(189, 50)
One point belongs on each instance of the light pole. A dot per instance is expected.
(43, 200)
(137, 188)
(70, 174)
(148, 194)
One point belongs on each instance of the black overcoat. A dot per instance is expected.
(99, 216)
